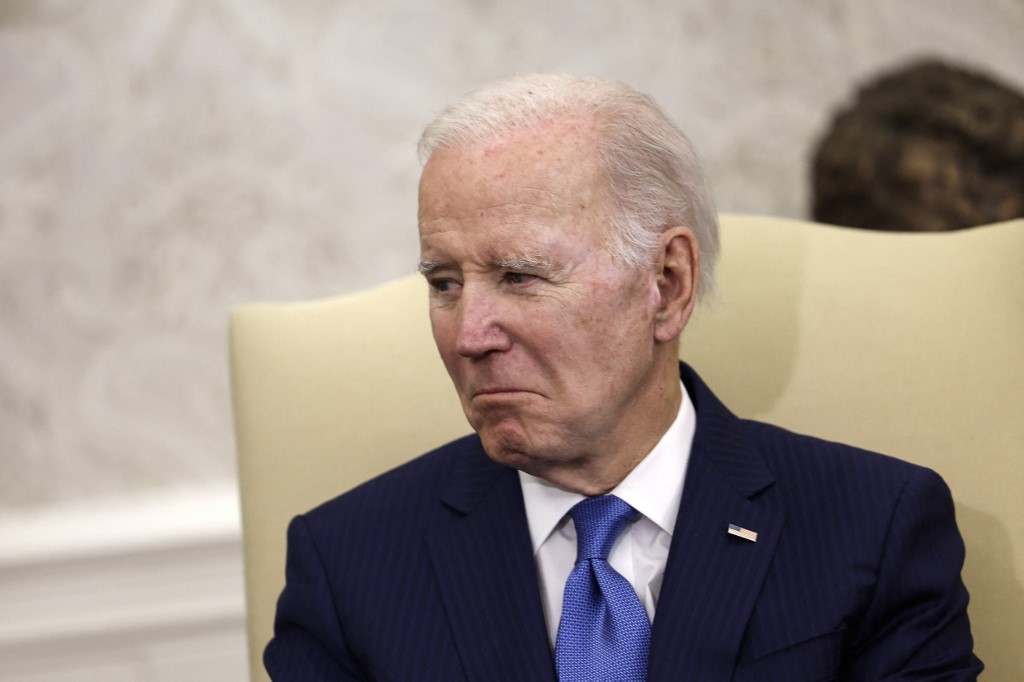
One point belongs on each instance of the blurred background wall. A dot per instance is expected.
(164, 160)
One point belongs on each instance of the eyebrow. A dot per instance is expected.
(524, 262)
(425, 267)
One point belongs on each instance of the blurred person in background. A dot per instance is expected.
(925, 148)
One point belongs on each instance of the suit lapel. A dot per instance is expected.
(481, 552)
(482, 556)
(713, 579)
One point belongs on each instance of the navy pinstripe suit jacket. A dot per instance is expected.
(427, 573)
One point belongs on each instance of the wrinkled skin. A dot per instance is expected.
(564, 360)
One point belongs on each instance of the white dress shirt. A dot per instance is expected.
(654, 488)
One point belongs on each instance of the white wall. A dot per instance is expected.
(164, 160)
(124, 589)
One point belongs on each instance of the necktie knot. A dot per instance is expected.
(604, 633)
(599, 521)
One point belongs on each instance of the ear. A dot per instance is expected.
(678, 267)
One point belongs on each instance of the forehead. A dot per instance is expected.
(552, 165)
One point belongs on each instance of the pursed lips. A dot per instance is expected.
(496, 392)
(499, 389)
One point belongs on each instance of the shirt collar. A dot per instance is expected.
(654, 487)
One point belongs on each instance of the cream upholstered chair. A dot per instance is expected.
(910, 344)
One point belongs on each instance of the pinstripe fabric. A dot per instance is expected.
(427, 572)
(392, 583)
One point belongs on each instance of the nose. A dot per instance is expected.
(481, 327)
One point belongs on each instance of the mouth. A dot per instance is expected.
(497, 393)
(497, 390)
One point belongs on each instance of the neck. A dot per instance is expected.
(644, 425)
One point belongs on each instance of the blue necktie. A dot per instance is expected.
(604, 633)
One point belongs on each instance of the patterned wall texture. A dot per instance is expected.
(164, 160)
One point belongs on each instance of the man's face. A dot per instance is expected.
(547, 339)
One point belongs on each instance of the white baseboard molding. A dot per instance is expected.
(144, 589)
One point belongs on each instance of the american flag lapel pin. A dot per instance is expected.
(742, 532)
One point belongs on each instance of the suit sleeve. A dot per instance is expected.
(916, 625)
(308, 642)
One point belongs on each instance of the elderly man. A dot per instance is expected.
(610, 519)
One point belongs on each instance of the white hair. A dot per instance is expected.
(655, 178)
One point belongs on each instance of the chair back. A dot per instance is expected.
(909, 344)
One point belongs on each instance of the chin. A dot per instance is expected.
(502, 447)
(509, 445)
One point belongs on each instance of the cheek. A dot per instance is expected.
(620, 308)
(619, 329)
(444, 334)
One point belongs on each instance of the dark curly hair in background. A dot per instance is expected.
(926, 148)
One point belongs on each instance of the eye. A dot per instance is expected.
(443, 285)
(519, 277)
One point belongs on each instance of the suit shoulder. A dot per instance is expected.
(825, 463)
